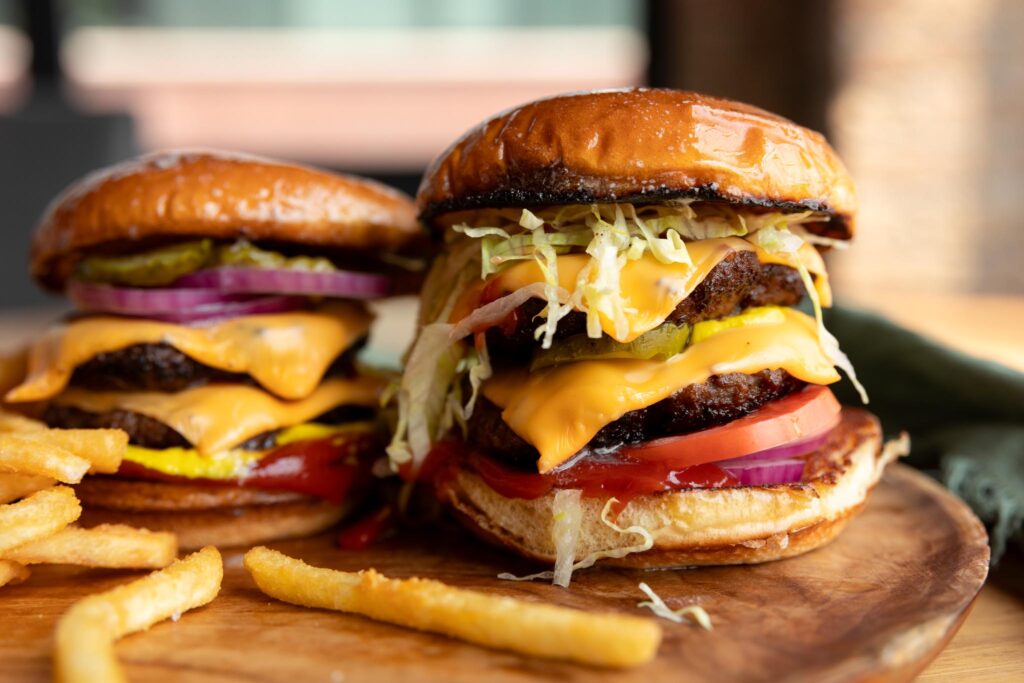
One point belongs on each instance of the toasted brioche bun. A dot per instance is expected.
(132, 495)
(640, 145)
(743, 525)
(194, 194)
(204, 515)
(230, 526)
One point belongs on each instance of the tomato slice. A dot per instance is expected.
(806, 413)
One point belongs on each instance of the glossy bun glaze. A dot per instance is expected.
(741, 525)
(195, 194)
(644, 146)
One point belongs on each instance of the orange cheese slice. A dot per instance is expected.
(560, 409)
(650, 290)
(287, 353)
(217, 417)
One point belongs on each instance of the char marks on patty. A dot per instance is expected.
(720, 399)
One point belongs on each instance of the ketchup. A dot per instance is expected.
(368, 530)
(327, 468)
(623, 480)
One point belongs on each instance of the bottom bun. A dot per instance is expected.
(133, 495)
(224, 516)
(742, 525)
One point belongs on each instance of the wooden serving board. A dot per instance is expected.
(877, 604)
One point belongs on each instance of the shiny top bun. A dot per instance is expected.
(644, 146)
(220, 195)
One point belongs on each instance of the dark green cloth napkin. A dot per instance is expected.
(965, 416)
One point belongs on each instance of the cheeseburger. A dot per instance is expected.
(621, 354)
(220, 310)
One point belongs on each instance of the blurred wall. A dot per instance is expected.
(929, 116)
(924, 100)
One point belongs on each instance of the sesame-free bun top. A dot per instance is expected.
(640, 145)
(195, 194)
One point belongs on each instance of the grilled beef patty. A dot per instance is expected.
(738, 282)
(161, 367)
(720, 399)
(150, 433)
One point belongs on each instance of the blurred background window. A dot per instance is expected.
(923, 98)
(377, 86)
(15, 53)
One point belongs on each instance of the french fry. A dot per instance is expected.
(21, 455)
(12, 572)
(13, 422)
(87, 631)
(16, 486)
(103, 448)
(114, 546)
(42, 514)
(13, 368)
(502, 622)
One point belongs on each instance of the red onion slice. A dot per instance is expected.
(214, 312)
(764, 472)
(149, 302)
(785, 451)
(342, 283)
(777, 465)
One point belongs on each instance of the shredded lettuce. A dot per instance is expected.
(564, 556)
(612, 234)
(424, 397)
(842, 361)
(776, 240)
(547, 259)
(430, 397)
(567, 513)
(658, 606)
(478, 368)
(818, 240)
(667, 249)
(597, 287)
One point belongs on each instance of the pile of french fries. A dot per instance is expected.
(37, 512)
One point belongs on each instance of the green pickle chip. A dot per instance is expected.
(162, 266)
(662, 342)
(152, 268)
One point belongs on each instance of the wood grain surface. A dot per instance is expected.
(876, 604)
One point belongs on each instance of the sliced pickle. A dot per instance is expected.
(149, 269)
(760, 315)
(662, 342)
(244, 253)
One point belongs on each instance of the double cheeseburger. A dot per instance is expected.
(621, 355)
(220, 309)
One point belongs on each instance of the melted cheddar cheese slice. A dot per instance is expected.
(651, 290)
(218, 417)
(287, 353)
(560, 409)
